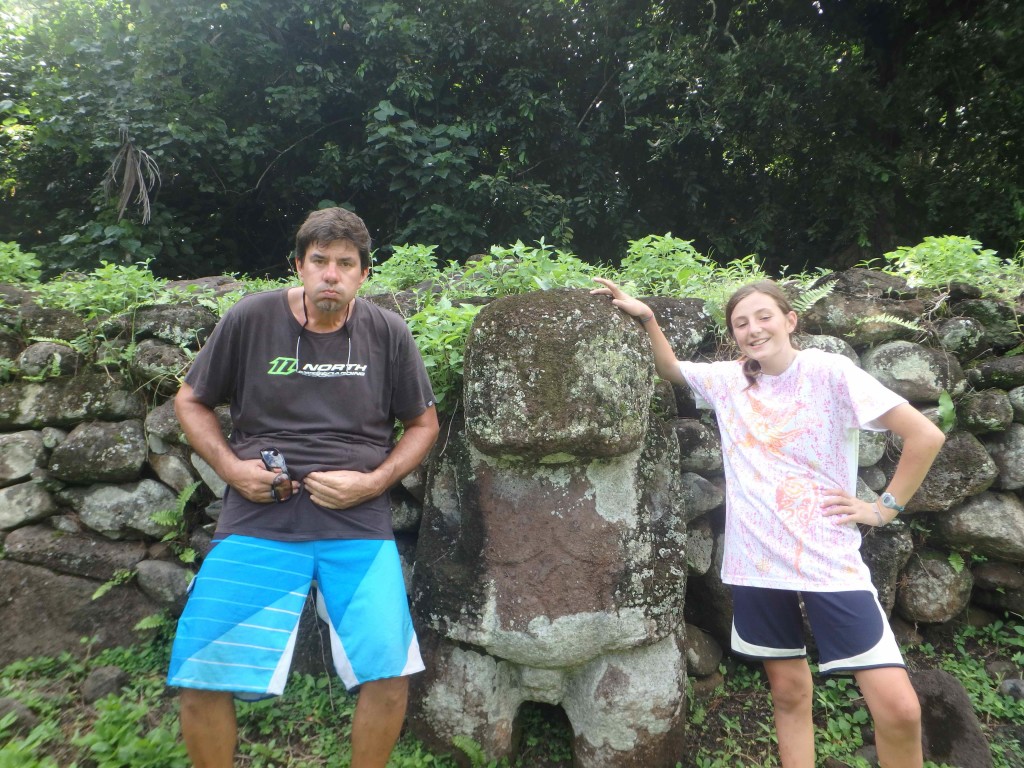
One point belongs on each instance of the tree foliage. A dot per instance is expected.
(809, 132)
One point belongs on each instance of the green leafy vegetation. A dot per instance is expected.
(446, 298)
(108, 290)
(16, 266)
(309, 726)
(176, 520)
(939, 261)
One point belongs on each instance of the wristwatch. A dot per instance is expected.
(888, 500)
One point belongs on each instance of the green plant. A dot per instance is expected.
(121, 576)
(18, 267)
(723, 282)
(890, 319)
(22, 752)
(440, 330)
(810, 297)
(175, 519)
(520, 268)
(956, 561)
(663, 265)
(108, 290)
(473, 751)
(117, 738)
(51, 371)
(938, 261)
(8, 368)
(407, 266)
(947, 412)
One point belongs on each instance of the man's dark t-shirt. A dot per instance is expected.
(326, 402)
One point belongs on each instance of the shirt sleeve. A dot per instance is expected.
(703, 381)
(212, 374)
(869, 399)
(411, 392)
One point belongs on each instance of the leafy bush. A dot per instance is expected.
(440, 330)
(18, 267)
(938, 261)
(407, 266)
(520, 268)
(116, 740)
(662, 265)
(108, 290)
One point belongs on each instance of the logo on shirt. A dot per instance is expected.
(286, 366)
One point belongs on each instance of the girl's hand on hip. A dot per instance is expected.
(844, 508)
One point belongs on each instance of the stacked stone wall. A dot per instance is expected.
(90, 450)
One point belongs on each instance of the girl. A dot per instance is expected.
(789, 421)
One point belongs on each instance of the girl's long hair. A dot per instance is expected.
(752, 368)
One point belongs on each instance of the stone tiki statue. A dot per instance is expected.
(551, 558)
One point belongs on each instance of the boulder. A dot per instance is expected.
(556, 374)
(989, 524)
(961, 336)
(933, 591)
(998, 318)
(23, 504)
(1016, 397)
(963, 468)
(1007, 451)
(158, 366)
(686, 323)
(68, 401)
(886, 552)
(100, 452)
(76, 554)
(122, 511)
(48, 359)
(950, 731)
(918, 373)
(20, 454)
(45, 613)
(700, 446)
(987, 410)
(1001, 372)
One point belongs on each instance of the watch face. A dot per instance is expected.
(889, 501)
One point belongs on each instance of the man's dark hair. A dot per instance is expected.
(330, 224)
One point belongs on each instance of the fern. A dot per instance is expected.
(947, 411)
(121, 576)
(153, 621)
(81, 343)
(885, 317)
(472, 750)
(811, 297)
(175, 518)
(956, 561)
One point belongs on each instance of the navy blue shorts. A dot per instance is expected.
(850, 628)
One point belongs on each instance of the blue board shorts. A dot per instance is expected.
(239, 627)
(850, 628)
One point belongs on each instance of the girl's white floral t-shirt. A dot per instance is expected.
(785, 442)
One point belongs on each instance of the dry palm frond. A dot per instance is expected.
(131, 169)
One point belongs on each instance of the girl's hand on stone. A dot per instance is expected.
(621, 299)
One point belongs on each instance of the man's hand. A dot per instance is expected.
(247, 476)
(256, 483)
(342, 488)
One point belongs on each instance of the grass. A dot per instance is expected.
(310, 725)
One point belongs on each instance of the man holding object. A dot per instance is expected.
(316, 379)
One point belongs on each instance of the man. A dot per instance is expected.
(318, 378)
